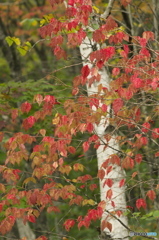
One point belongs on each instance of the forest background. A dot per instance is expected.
(29, 70)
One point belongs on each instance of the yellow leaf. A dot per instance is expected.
(2, 188)
(74, 180)
(56, 120)
(96, 9)
(30, 179)
(42, 22)
(36, 213)
(16, 40)
(42, 132)
(88, 201)
(59, 185)
(108, 100)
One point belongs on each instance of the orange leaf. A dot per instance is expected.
(85, 146)
(151, 194)
(134, 174)
(106, 224)
(1, 136)
(101, 174)
(78, 166)
(71, 149)
(109, 194)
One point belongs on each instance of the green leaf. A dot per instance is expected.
(28, 44)
(22, 50)
(9, 40)
(156, 213)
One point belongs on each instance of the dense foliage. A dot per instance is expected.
(48, 168)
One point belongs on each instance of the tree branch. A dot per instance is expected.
(108, 9)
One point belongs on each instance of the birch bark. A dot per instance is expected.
(118, 231)
(24, 230)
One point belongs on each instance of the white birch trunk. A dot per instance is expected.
(25, 230)
(119, 231)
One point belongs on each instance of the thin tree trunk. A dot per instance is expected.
(25, 230)
(105, 150)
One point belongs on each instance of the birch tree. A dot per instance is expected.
(113, 104)
(118, 225)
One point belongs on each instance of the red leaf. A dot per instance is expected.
(69, 223)
(113, 204)
(1, 207)
(92, 187)
(101, 174)
(84, 178)
(140, 203)
(98, 36)
(85, 71)
(137, 82)
(134, 174)
(125, 2)
(144, 140)
(117, 105)
(75, 91)
(148, 35)
(90, 127)
(110, 24)
(28, 122)
(14, 114)
(138, 158)
(115, 71)
(50, 99)
(145, 52)
(104, 108)
(121, 183)
(33, 198)
(157, 154)
(57, 40)
(59, 52)
(40, 238)
(108, 182)
(1, 136)
(108, 169)
(53, 209)
(71, 149)
(32, 218)
(53, 2)
(119, 213)
(155, 133)
(25, 107)
(146, 127)
(151, 194)
(109, 194)
(128, 163)
(85, 146)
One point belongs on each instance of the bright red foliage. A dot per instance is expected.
(122, 106)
